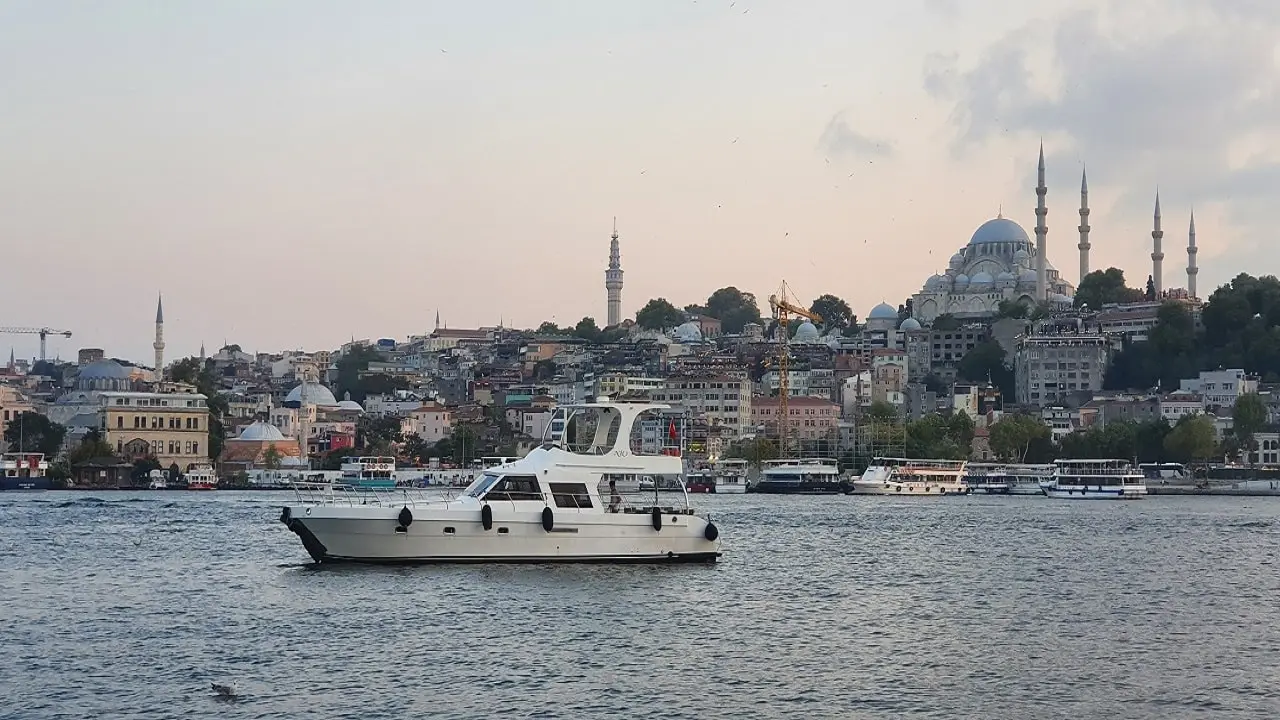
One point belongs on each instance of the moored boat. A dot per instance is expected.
(909, 476)
(701, 480)
(562, 502)
(369, 472)
(202, 477)
(809, 476)
(24, 471)
(1006, 479)
(1095, 480)
(731, 476)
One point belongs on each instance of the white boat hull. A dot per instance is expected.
(861, 487)
(732, 489)
(374, 534)
(1128, 492)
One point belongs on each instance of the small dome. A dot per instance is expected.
(1021, 255)
(999, 230)
(807, 333)
(261, 432)
(909, 324)
(883, 311)
(317, 395)
(962, 281)
(957, 260)
(981, 279)
(1006, 276)
(688, 332)
(937, 283)
(1027, 276)
(104, 370)
(350, 405)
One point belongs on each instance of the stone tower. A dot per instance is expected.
(158, 345)
(1157, 255)
(1042, 230)
(1084, 225)
(613, 280)
(1192, 270)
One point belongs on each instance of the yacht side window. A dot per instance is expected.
(479, 487)
(571, 495)
(516, 487)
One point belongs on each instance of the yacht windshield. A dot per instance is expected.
(481, 485)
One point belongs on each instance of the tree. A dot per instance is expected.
(1012, 309)
(1105, 286)
(1150, 294)
(142, 468)
(935, 384)
(1012, 436)
(271, 457)
(544, 370)
(350, 366)
(415, 448)
(377, 432)
(587, 330)
(946, 321)
(91, 446)
(881, 411)
(1248, 417)
(986, 362)
(754, 450)
(186, 370)
(835, 313)
(550, 328)
(658, 314)
(1193, 439)
(33, 432)
(733, 308)
(934, 436)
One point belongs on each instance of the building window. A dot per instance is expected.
(195, 448)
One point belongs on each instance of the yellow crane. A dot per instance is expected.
(43, 332)
(783, 308)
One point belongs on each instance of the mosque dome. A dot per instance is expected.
(1060, 299)
(1006, 277)
(807, 333)
(962, 281)
(999, 230)
(104, 370)
(981, 279)
(1027, 276)
(261, 432)
(350, 405)
(317, 395)
(1022, 255)
(909, 324)
(883, 311)
(936, 283)
(957, 261)
(687, 333)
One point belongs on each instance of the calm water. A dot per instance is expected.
(124, 605)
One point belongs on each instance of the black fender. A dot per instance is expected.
(285, 515)
(486, 516)
(711, 532)
(548, 519)
(405, 518)
(657, 518)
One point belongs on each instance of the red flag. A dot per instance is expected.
(671, 431)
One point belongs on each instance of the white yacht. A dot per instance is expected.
(905, 476)
(202, 477)
(731, 476)
(800, 476)
(1007, 479)
(1095, 480)
(560, 503)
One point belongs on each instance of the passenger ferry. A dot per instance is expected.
(800, 476)
(1165, 472)
(731, 477)
(701, 480)
(202, 477)
(1007, 479)
(369, 472)
(907, 476)
(24, 471)
(1095, 480)
(560, 503)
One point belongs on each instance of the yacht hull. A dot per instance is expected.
(337, 534)
(913, 489)
(801, 488)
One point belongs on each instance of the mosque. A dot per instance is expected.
(999, 264)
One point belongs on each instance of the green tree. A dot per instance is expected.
(91, 446)
(377, 432)
(550, 328)
(881, 411)
(1105, 286)
(142, 468)
(351, 365)
(1248, 417)
(1192, 439)
(835, 313)
(415, 448)
(754, 450)
(987, 362)
(658, 314)
(380, 384)
(733, 308)
(271, 457)
(933, 436)
(1012, 436)
(946, 321)
(33, 432)
(587, 330)
(1012, 309)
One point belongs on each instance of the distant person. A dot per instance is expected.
(615, 500)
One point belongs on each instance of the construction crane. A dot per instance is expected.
(43, 332)
(783, 309)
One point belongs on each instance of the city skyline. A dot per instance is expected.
(293, 176)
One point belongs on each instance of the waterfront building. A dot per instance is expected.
(1219, 389)
(173, 428)
(1050, 367)
(723, 400)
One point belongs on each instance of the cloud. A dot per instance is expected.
(840, 140)
(1178, 94)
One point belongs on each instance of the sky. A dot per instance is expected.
(292, 174)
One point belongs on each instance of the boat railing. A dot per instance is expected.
(333, 494)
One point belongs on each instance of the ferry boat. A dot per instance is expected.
(24, 471)
(1010, 479)
(731, 477)
(202, 477)
(701, 480)
(369, 472)
(1165, 472)
(560, 503)
(158, 481)
(1095, 480)
(800, 476)
(908, 476)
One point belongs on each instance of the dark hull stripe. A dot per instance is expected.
(702, 557)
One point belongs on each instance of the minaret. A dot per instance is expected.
(1084, 225)
(158, 345)
(437, 318)
(613, 280)
(1157, 256)
(1192, 270)
(1042, 230)
(202, 357)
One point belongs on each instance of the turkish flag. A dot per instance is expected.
(671, 431)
